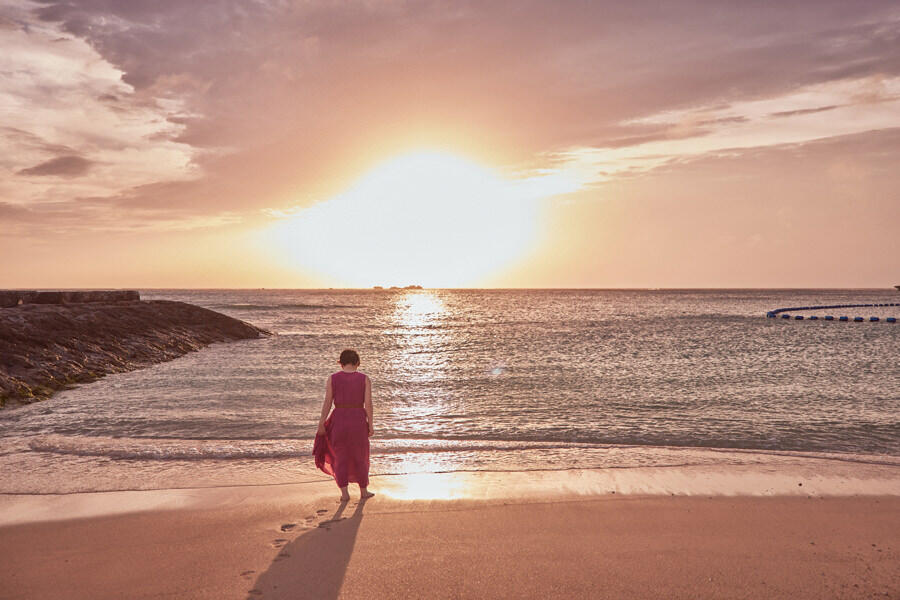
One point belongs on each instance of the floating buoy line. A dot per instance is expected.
(784, 313)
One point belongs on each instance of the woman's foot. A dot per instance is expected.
(345, 495)
(364, 494)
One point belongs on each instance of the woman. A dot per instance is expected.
(342, 440)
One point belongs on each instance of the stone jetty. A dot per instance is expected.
(52, 340)
(10, 298)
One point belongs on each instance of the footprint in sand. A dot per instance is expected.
(282, 556)
(279, 543)
(247, 573)
(255, 592)
(288, 526)
(321, 511)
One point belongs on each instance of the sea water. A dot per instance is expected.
(481, 380)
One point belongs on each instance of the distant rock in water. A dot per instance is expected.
(46, 347)
(394, 287)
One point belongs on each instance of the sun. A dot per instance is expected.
(427, 218)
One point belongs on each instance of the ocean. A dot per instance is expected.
(481, 380)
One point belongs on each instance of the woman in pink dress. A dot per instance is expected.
(342, 440)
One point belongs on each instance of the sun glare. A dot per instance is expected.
(431, 219)
(417, 309)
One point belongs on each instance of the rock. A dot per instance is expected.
(12, 298)
(9, 299)
(48, 345)
(46, 298)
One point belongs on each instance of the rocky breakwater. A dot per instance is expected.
(58, 341)
(10, 298)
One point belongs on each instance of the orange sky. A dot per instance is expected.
(529, 144)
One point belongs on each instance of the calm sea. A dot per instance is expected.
(480, 380)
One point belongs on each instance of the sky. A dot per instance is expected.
(239, 143)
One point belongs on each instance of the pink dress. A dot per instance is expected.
(343, 451)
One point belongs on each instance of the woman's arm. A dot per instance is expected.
(326, 406)
(368, 404)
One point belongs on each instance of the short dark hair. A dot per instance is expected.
(349, 357)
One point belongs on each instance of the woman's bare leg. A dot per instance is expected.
(345, 495)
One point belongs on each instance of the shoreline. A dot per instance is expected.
(130, 465)
(802, 480)
(280, 544)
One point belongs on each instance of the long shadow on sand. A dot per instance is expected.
(313, 565)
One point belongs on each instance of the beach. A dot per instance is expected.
(596, 298)
(481, 535)
(515, 455)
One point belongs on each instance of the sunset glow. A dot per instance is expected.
(426, 218)
(354, 144)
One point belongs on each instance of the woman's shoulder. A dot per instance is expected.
(351, 374)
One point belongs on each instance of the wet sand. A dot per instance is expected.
(297, 542)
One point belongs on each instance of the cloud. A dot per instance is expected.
(64, 166)
(803, 111)
(59, 219)
(797, 117)
(228, 106)
(75, 129)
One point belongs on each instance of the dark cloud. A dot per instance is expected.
(553, 66)
(724, 120)
(61, 166)
(803, 111)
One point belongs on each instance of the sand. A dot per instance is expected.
(298, 542)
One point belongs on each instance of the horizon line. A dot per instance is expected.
(422, 288)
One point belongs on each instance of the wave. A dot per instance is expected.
(169, 449)
(181, 449)
(149, 449)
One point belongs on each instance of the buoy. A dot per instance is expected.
(783, 312)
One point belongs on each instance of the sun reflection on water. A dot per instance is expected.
(419, 309)
(419, 361)
(421, 347)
